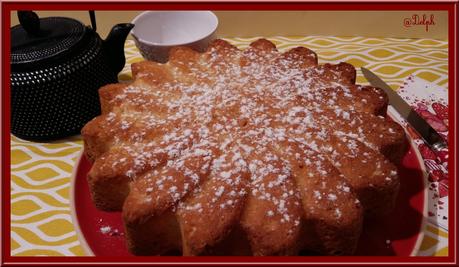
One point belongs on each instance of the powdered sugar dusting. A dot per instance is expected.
(210, 132)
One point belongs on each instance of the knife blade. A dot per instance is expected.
(431, 138)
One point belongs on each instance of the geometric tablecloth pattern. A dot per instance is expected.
(40, 172)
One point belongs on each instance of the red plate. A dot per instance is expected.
(102, 234)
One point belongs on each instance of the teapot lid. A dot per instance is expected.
(36, 40)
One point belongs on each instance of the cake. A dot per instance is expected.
(243, 152)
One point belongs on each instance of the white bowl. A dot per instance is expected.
(156, 32)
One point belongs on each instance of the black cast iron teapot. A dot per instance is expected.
(57, 66)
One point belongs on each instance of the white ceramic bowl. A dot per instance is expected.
(156, 32)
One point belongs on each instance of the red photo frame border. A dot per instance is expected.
(6, 259)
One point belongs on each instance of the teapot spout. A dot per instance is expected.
(114, 45)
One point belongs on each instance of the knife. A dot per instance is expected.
(431, 138)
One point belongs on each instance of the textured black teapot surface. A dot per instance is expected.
(52, 42)
(57, 66)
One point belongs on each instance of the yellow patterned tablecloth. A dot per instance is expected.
(40, 172)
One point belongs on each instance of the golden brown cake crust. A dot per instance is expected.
(252, 152)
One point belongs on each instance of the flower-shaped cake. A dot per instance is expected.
(243, 152)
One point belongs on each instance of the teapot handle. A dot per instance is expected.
(92, 16)
(29, 21)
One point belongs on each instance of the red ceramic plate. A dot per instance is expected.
(400, 233)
